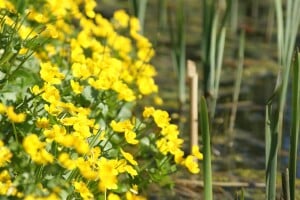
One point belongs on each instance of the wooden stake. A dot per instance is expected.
(193, 86)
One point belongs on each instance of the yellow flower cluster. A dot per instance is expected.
(81, 188)
(170, 142)
(7, 188)
(36, 149)
(11, 114)
(5, 154)
(90, 70)
(125, 127)
(51, 196)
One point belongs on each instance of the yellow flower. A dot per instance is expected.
(130, 170)
(42, 122)
(14, 117)
(162, 145)
(148, 111)
(23, 51)
(77, 89)
(5, 154)
(109, 182)
(134, 189)
(113, 196)
(53, 109)
(79, 70)
(131, 196)
(57, 133)
(158, 100)
(178, 156)
(51, 31)
(66, 162)
(124, 92)
(89, 8)
(170, 131)
(108, 174)
(145, 54)
(128, 157)
(134, 25)
(87, 169)
(161, 118)
(7, 5)
(26, 32)
(196, 152)
(38, 17)
(122, 126)
(6, 185)
(130, 137)
(2, 108)
(35, 148)
(51, 94)
(51, 196)
(192, 165)
(51, 74)
(36, 90)
(81, 145)
(82, 189)
(146, 85)
(121, 17)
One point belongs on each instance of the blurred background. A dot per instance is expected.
(234, 45)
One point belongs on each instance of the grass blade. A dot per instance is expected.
(295, 125)
(271, 151)
(207, 171)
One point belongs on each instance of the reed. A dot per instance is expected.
(287, 29)
(238, 81)
(287, 33)
(207, 170)
(295, 125)
(213, 42)
(177, 35)
(271, 137)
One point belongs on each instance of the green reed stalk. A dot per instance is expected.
(179, 50)
(287, 34)
(214, 34)
(295, 125)
(207, 170)
(216, 50)
(271, 151)
(238, 81)
(286, 37)
(234, 14)
(208, 15)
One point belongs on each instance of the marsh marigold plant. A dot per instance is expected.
(69, 82)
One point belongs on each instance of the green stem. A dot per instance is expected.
(207, 171)
(295, 125)
(15, 132)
